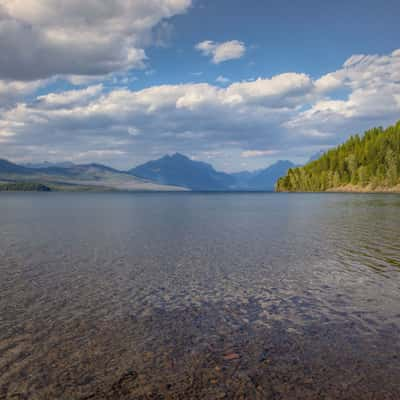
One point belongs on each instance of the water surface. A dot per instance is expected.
(204, 296)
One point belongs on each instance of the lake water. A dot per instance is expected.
(199, 296)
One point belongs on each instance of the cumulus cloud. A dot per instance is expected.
(222, 79)
(328, 83)
(12, 91)
(69, 98)
(170, 117)
(251, 119)
(284, 90)
(258, 153)
(373, 82)
(220, 52)
(43, 38)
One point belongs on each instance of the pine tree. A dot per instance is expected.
(373, 159)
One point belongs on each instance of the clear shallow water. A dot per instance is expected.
(208, 296)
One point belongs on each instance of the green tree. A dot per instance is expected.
(373, 158)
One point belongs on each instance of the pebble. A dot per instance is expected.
(231, 356)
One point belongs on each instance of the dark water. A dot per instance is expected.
(206, 296)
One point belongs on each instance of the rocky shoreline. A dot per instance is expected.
(365, 189)
(352, 189)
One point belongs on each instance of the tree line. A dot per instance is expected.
(371, 160)
(23, 187)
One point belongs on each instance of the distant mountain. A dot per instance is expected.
(316, 156)
(171, 172)
(180, 170)
(363, 163)
(264, 179)
(73, 178)
(7, 167)
(195, 175)
(82, 170)
(48, 164)
(70, 169)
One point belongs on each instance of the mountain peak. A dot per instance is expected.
(49, 164)
(283, 162)
(316, 156)
(263, 179)
(179, 156)
(179, 170)
(172, 169)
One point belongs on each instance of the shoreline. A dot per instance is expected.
(366, 189)
(350, 189)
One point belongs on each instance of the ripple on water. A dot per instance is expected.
(199, 296)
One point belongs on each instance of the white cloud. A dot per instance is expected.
(281, 90)
(174, 116)
(69, 98)
(248, 119)
(12, 91)
(96, 155)
(328, 83)
(258, 153)
(222, 79)
(221, 52)
(43, 38)
(374, 85)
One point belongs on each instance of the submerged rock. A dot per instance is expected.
(231, 356)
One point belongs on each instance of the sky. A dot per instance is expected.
(237, 84)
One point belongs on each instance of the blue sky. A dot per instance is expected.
(312, 36)
(240, 86)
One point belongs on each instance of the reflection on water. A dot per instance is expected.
(206, 296)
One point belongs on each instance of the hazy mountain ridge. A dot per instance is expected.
(264, 179)
(316, 156)
(171, 172)
(78, 178)
(48, 164)
(196, 175)
(182, 171)
(11, 168)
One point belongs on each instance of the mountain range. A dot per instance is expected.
(263, 179)
(83, 177)
(180, 170)
(169, 173)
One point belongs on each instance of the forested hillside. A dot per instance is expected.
(370, 162)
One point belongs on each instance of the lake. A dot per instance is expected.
(199, 296)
